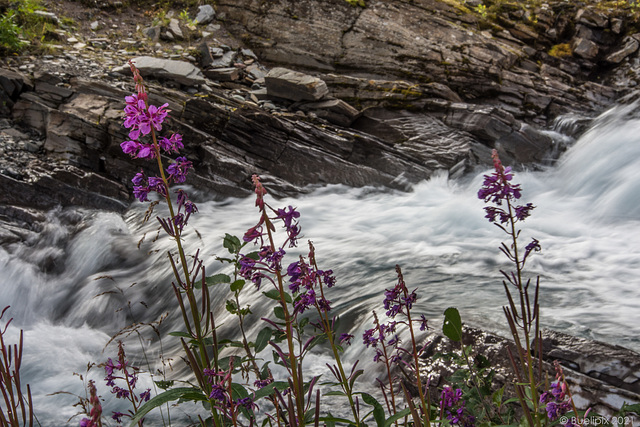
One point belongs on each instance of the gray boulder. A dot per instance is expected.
(205, 15)
(630, 47)
(295, 86)
(180, 72)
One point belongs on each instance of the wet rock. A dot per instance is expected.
(205, 15)
(180, 72)
(516, 141)
(611, 364)
(295, 86)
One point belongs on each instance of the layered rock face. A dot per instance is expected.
(383, 95)
(501, 62)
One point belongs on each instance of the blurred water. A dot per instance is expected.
(84, 278)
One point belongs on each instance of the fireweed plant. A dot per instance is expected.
(523, 311)
(240, 389)
(298, 288)
(398, 301)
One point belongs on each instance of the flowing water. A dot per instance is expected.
(84, 279)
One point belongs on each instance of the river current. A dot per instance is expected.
(84, 278)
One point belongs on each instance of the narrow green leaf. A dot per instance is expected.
(268, 389)
(496, 397)
(353, 379)
(331, 420)
(238, 391)
(274, 294)
(164, 384)
(452, 326)
(186, 393)
(237, 285)
(392, 419)
(626, 408)
(378, 410)
(263, 339)
(180, 334)
(334, 393)
(216, 279)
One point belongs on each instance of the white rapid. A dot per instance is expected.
(83, 278)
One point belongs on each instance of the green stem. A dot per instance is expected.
(204, 360)
(425, 408)
(288, 318)
(524, 317)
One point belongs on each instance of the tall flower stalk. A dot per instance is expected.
(145, 121)
(522, 313)
(398, 301)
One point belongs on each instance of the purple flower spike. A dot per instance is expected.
(178, 170)
(153, 117)
(346, 338)
(498, 189)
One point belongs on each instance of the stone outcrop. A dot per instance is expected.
(502, 61)
(601, 376)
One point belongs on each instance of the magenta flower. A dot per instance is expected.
(153, 117)
(178, 170)
(171, 144)
(130, 147)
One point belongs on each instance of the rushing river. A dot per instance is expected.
(84, 279)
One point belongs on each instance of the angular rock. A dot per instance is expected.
(592, 18)
(255, 72)
(223, 74)
(11, 85)
(604, 394)
(584, 48)
(153, 33)
(204, 51)
(631, 45)
(181, 72)
(248, 53)
(616, 25)
(174, 28)
(205, 15)
(335, 111)
(225, 60)
(614, 365)
(295, 86)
